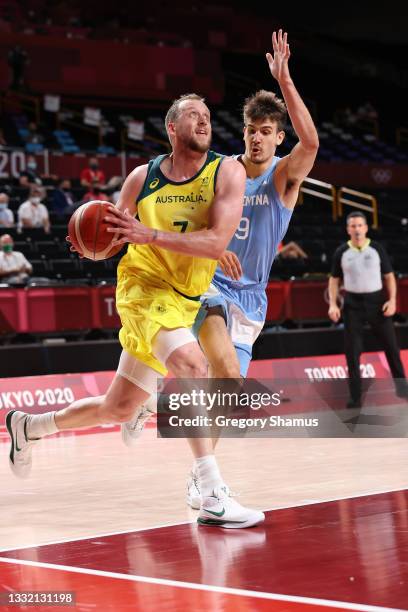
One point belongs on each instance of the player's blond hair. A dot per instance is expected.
(174, 111)
(265, 105)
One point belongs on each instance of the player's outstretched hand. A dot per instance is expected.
(334, 313)
(278, 62)
(230, 265)
(129, 228)
(72, 248)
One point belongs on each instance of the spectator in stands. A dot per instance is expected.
(367, 112)
(92, 174)
(291, 250)
(34, 136)
(30, 174)
(346, 117)
(6, 215)
(96, 192)
(14, 267)
(32, 213)
(291, 260)
(63, 201)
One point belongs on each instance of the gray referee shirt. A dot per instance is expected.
(361, 268)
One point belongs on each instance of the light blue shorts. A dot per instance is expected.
(244, 311)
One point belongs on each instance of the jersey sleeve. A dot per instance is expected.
(386, 266)
(336, 269)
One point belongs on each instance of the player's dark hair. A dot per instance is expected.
(265, 105)
(354, 215)
(174, 110)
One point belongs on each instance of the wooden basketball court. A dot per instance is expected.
(111, 524)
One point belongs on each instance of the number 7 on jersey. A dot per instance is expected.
(182, 224)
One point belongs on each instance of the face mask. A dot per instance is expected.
(94, 166)
(35, 200)
(32, 165)
(7, 248)
(3, 206)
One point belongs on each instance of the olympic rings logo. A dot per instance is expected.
(381, 175)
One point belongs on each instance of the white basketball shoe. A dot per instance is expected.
(221, 510)
(132, 430)
(21, 447)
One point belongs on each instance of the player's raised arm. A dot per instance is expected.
(297, 165)
(225, 214)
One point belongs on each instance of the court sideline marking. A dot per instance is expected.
(204, 587)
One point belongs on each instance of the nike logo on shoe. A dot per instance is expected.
(25, 435)
(9, 429)
(17, 447)
(215, 513)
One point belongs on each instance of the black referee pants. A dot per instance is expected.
(359, 309)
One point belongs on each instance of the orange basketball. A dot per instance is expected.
(87, 231)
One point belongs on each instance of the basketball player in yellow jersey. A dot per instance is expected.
(174, 281)
(189, 204)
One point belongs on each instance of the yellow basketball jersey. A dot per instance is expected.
(174, 207)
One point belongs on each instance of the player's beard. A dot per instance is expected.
(198, 146)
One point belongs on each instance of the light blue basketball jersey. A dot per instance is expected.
(263, 225)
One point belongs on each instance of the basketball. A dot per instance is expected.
(87, 230)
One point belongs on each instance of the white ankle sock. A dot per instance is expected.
(40, 425)
(209, 477)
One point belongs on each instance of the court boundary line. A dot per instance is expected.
(313, 601)
(163, 525)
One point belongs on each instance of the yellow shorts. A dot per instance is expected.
(146, 306)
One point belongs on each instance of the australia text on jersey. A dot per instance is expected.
(170, 199)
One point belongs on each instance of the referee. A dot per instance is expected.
(365, 269)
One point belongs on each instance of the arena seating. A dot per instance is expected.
(337, 144)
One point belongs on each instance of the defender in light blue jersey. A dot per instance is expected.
(242, 303)
(234, 309)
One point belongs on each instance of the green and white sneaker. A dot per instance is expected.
(132, 430)
(221, 510)
(21, 446)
